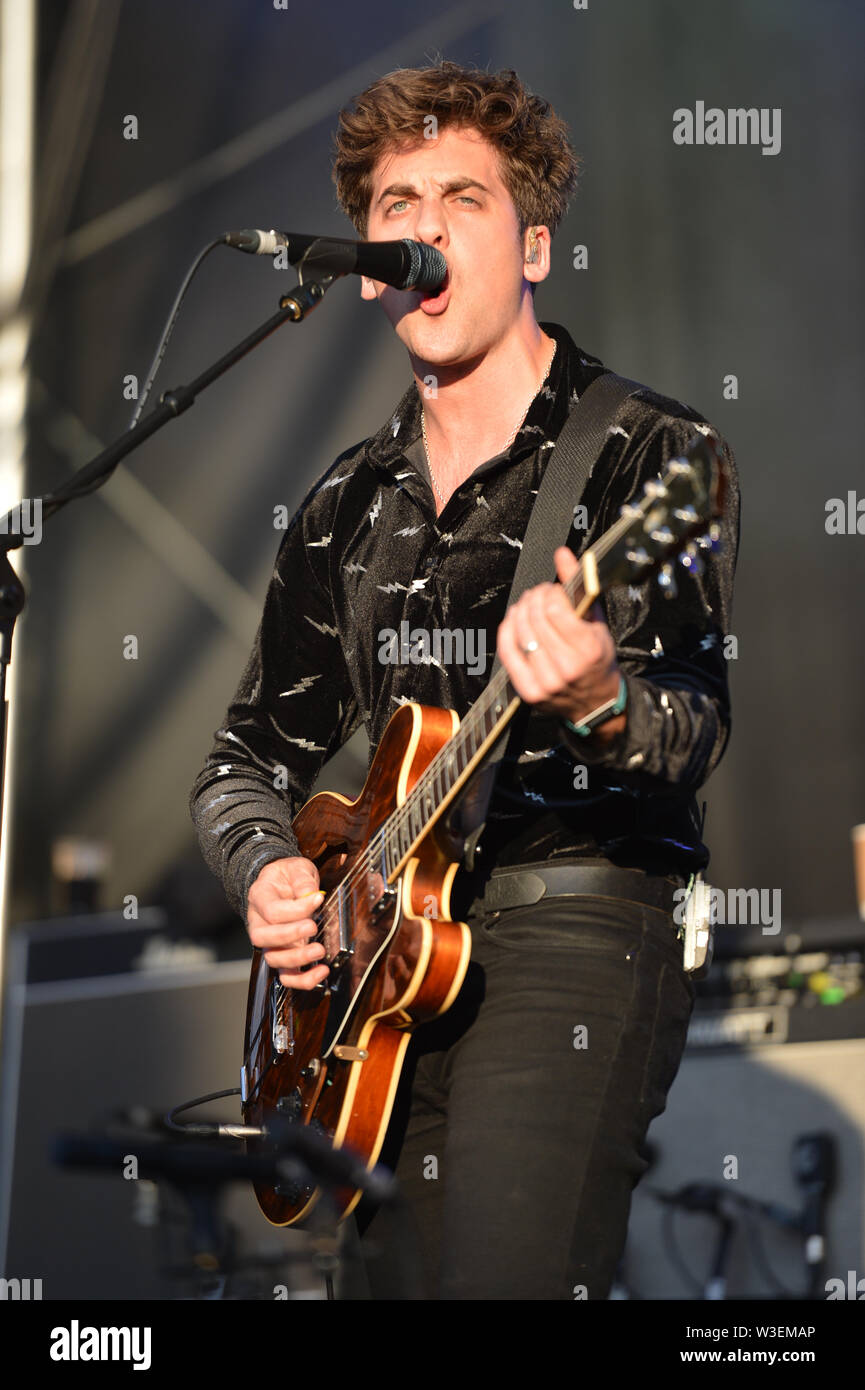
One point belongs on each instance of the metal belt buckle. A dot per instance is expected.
(699, 929)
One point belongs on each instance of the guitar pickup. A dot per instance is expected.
(282, 1032)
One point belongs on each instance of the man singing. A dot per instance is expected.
(517, 1129)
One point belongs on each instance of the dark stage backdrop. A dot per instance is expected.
(704, 262)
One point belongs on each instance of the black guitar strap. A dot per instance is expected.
(562, 486)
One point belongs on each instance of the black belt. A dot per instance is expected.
(528, 883)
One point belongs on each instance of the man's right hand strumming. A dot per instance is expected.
(279, 920)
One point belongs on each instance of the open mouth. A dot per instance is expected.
(437, 297)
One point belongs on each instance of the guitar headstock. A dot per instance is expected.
(675, 517)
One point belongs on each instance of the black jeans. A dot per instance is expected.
(517, 1129)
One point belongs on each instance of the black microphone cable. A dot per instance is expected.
(169, 325)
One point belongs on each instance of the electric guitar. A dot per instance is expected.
(331, 1057)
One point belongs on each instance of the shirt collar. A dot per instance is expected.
(571, 372)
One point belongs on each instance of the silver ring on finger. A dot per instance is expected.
(529, 647)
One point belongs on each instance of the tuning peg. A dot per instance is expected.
(662, 535)
(638, 557)
(692, 561)
(715, 536)
(667, 581)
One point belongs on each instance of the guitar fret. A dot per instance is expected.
(482, 728)
(439, 786)
(470, 740)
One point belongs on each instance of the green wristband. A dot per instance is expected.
(602, 713)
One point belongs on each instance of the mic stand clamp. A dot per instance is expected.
(307, 294)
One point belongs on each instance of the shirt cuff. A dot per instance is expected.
(626, 750)
(248, 863)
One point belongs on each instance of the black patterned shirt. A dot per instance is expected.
(375, 601)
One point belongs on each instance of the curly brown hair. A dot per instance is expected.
(537, 164)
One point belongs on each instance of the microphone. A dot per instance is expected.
(193, 1161)
(405, 264)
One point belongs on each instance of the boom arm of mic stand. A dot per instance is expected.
(293, 307)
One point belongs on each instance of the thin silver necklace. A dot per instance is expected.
(507, 442)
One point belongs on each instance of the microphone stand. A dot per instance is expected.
(293, 307)
(199, 1172)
